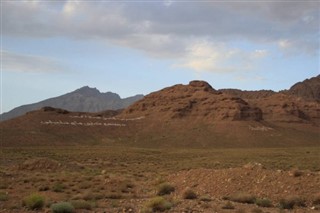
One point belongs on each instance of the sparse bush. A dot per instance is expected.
(205, 198)
(114, 196)
(242, 198)
(4, 185)
(81, 204)
(84, 185)
(165, 189)
(264, 202)
(89, 195)
(58, 187)
(290, 202)
(3, 196)
(44, 188)
(189, 194)
(62, 207)
(33, 201)
(157, 204)
(228, 205)
(297, 173)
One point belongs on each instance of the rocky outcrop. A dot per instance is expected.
(308, 89)
(197, 100)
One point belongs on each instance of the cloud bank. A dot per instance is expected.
(196, 34)
(16, 62)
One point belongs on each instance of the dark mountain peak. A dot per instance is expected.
(84, 99)
(111, 95)
(87, 91)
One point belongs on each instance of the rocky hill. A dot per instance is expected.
(85, 99)
(197, 100)
(248, 94)
(193, 115)
(308, 89)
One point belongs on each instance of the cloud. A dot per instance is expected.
(294, 47)
(15, 62)
(207, 56)
(172, 29)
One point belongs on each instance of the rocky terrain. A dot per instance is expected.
(198, 100)
(308, 89)
(185, 148)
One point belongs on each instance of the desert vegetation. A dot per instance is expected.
(115, 179)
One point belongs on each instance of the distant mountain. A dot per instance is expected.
(85, 99)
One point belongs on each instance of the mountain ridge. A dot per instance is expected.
(84, 99)
(193, 115)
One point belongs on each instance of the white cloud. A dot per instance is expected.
(284, 44)
(257, 54)
(206, 56)
(15, 62)
(167, 3)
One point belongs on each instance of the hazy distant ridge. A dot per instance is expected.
(85, 99)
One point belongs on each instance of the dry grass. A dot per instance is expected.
(242, 197)
(292, 201)
(110, 176)
(189, 194)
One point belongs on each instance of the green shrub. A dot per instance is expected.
(290, 202)
(242, 198)
(3, 196)
(62, 207)
(33, 201)
(81, 204)
(165, 189)
(189, 194)
(264, 202)
(157, 204)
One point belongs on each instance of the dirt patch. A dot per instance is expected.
(252, 179)
(40, 164)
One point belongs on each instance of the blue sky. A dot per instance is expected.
(136, 47)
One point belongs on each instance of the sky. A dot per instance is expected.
(49, 48)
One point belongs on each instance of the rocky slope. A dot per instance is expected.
(198, 100)
(85, 99)
(308, 89)
(193, 115)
